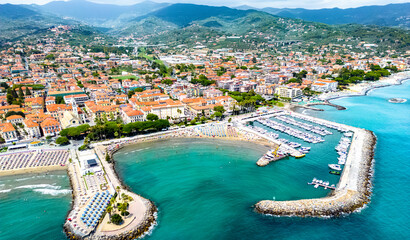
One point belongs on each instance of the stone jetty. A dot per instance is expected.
(311, 106)
(352, 192)
(338, 107)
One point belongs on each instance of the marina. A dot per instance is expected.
(315, 129)
(351, 191)
(290, 131)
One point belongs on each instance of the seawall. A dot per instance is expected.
(352, 192)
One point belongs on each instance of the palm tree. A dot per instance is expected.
(118, 190)
(123, 207)
(109, 210)
(112, 202)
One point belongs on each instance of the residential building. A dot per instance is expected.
(288, 92)
(50, 127)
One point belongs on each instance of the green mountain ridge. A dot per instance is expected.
(211, 26)
(96, 14)
(17, 21)
(387, 15)
(177, 22)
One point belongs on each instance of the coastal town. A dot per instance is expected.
(68, 107)
(50, 85)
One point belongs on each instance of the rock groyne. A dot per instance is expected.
(352, 193)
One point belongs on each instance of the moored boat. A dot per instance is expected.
(335, 167)
(334, 172)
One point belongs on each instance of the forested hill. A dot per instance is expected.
(397, 15)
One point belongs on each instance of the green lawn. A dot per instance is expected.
(125, 77)
(150, 58)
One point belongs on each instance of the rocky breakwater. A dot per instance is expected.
(338, 107)
(352, 193)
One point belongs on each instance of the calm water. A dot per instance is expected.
(205, 189)
(34, 206)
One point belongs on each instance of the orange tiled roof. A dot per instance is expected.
(50, 122)
(7, 127)
(14, 117)
(30, 123)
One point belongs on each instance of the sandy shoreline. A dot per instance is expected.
(171, 135)
(32, 170)
(364, 88)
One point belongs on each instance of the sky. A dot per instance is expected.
(310, 4)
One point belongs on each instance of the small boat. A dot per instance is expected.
(335, 167)
(334, 172)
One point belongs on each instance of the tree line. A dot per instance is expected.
(112, 129)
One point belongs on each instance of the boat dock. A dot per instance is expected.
(319, 183)
(286, 148)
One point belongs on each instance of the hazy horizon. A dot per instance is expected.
(313, 4)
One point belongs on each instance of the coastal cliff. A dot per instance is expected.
(352, 193)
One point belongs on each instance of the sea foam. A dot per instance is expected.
(5, 191)
(46, 186)
(52, 192)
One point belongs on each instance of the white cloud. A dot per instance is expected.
(311, 4)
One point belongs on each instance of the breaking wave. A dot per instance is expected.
(53, 192)
(47, 186)
(5, 191)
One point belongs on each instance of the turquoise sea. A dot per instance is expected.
(34, 206)
(205, 189)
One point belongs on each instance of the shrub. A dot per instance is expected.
(82, 148)
(116, 219)
(125, 213)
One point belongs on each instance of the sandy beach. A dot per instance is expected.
(32, 170)
(363, 88)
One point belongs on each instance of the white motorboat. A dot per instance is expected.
(335, 167)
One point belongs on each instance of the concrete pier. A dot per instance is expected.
(352, 192)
